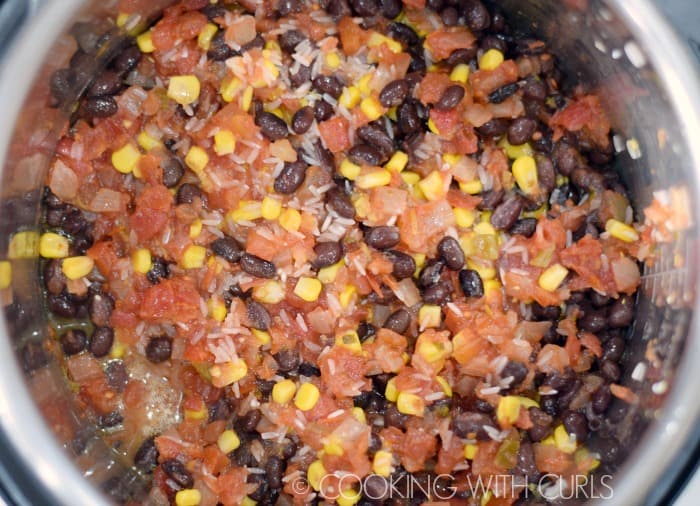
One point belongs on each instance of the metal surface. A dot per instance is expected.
(623, 48)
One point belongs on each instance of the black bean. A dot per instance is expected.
(250, 420)
(271, 126)
(159, 270)
(63, 83)
(99, 107)
(546, 176)
(258, 42)
(364, 154)
(393, 417)
(302, 120)
(394, 93)
(549, 405)
(494, 42)
(116, 375)
(375, 135)
(502, 93)
(451, 253)
(407, 116)
(404, 264)
(470, 423)
(478, 17)
(159, 349)
(54, 279)
(101, 341)
(323, 110)
(290, 39)
(300, 77)
(562, 382)
(449, 16)
(524, 226)
(543, 313)
(599, 300)
(506, 214)
(593, 321)
(291, 177)
(541, 424)
(327, 253)
(462, 55)
(610, 370)
(600, 399)
(220, 410)
(398, 321)
(111, 419)
(219, 50)
(146, 457)
(213, 11)
(431, 273)
(74, 341)
(127, 60)
(493, 128)
(256, 266)
(227, 248)
(621, 312)
(308, 369)
(439, 293)
(517, 370)
(613, 349)
(365, 330)
(340, 203)
(287, 360)
(490, 199)
(450, 98)
(258, 316)
(471, 283)
(520, 130)
(377, 489)
(365, 8)
(107, 83)
(403, 33)
(274, 470)
(383, 237)
(325, 157)
(178, 473)
(575, 423)
(173, 170)
(328, 84)
(187, 193)
(61, 305)
(390, 8)
(100, 308)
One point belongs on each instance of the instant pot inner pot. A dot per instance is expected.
(593, 46)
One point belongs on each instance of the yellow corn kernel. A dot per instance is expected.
(348, 497)
(446, 388)
(433, 186)
(371, 108)
(332, 446)
(145, 42)
(24, 245)
(390, 392)
(429, 315)
(349, 170)
(515, 151)
(433, 352)
(508, 410)
(451, 159)
(359, 414)
(228, 441)
(147, 142)
(53, 245)
(188, 497)
(184, 89)
(349, 340)
(491, 59)
(382, 463)
(328, 274)
(350, 97)
(433, 127)
(247, 99)
(377, 39)
(197, 414)
(492, 287)
(346, 295)
(142, 261)
(228, 373)
(460, 73)
(262, 336)
(410, 404)
(333, 60)
(307, 396)
(290, 220)
(525, 173)
(118, 349)
(484, 228)
(470, 451)
(563, 440)
(271, 208)
(391, 114)
(552, 277)
(122, 18)
(196, 159)
(77, 267)
(194, 256)
(217, 309)
(230, 86)
(271, 292)
(5, 274)
(621, 231)
(397, 162)
(224, 142)
(126, 158)
(248, 210)
(283, 391)
(308, 289)
(486, 498)
(206, 35)
(373, 179)
(247, 501)
(363, 84)
(410, 178)
(271, 45)
(315, 473)
(195, 228)
(472, 187)
(464, 217)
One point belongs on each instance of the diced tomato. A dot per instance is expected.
(171, 300)
(586, 114)
(352, 37)
(433, 86)
(486, 81)
(342, 371)
(104, 253)
(484, 463)
(422, 222)
(416, 448)
(441, 43)
(335, 134)
(549, 459)
(170, 29)
(152, 210)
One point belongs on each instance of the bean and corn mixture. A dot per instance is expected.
(364, 237)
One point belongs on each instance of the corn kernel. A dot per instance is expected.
(429, 315)
(492, 287)
(328, 274)
(464, 217)
(508, 410)
(471, 187)
(206, 35)
(377, 39)
(224, 142)
(470, 451)
(382, 463)
(283, 391)
(195, 228)
(194, 257)
(621, 231)
(552, 277)
(348, 497)
(315, 473)
(350, 341)
(563, 440)
(525, 173)
(118, 350)
(363, 84)
(333, 60)
(373, 179)
(410, 178)
(446, 387)
(332, 446)
(486, 498)
(419, 258)
(126, 158)
(271, 208)
(228, 373)
(371, 108)
(145, 42)
(184, 89)
(390, 391)
(397, 162)
(290, 220)
(484, 228)
(451, 159)
(359, 414)
(77, 267)
(514, 151)
(217, 309)
(308, 289)
(147, 142)
(349, 170)
(247, 99)
(460, 73)
(197, 414)
(229, 87)
(188, 497)
(53, 245)
(346, 295)
(5, 274)
(196, 159)
(272, 292)
(433, 352)
(262, 336)
(391, 113)
(248, 210)
(307, 396)
(433, 127)
(142, 261)
(228, 441)
(24, 245)
(433, 186)
(410, 404)
(350, 97)
(491, 59)
(122, 18)
(247, 501)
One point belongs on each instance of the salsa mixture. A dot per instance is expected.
(300, 252)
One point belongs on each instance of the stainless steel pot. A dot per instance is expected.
(639, 68)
